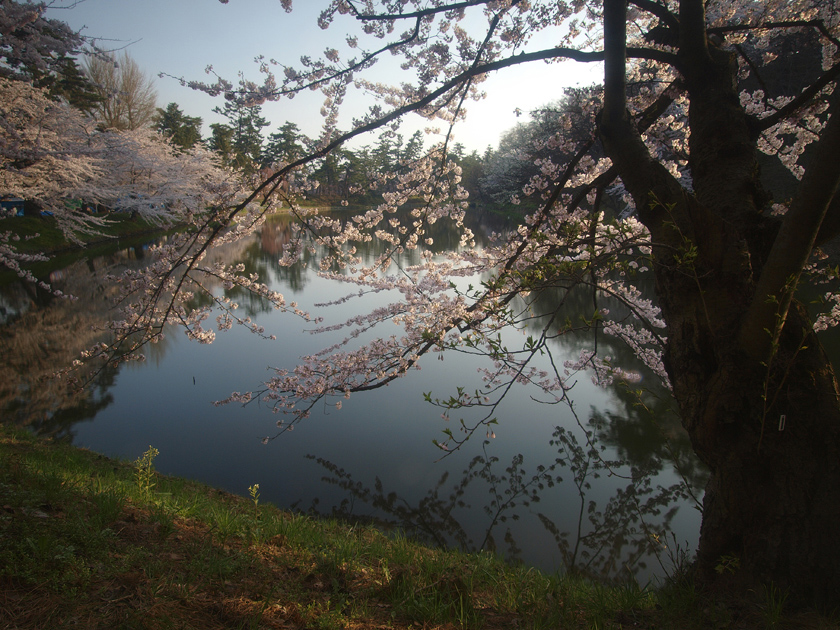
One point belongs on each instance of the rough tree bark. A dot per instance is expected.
(725, 274)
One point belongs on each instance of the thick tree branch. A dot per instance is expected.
(641, 174)
(367, 59)
(793, 245)
(651, 54)
(755, 70)
(654, 8)
(803, 100)
(369, 17)
(615, 61)
(830, 227)
(740, 28)
(694, 43)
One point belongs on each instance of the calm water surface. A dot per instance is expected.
(373, 459)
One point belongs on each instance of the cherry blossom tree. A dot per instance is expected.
(44, 156)
(676, 132)
(51, 152)
(33, 45)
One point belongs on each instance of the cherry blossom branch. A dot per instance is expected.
(801, 101)
(365, 62)
(456, 6)
(654, 8)
(818, 24)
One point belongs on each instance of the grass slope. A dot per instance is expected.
(90, 542)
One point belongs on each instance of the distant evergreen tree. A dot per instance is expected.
(413, 148)
(221, 142)
(327, 173)
(472, 172)
(246, 124)
(284, 145)
(182, 130)
(397, 148)
(354, 170)
(67, 81)
(383, 153)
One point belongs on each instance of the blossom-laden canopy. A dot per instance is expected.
(50, 154)
(447, 49)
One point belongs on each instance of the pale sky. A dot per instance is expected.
(183, 37)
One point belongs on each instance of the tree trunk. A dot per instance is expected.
(759, 401)
(772, 505)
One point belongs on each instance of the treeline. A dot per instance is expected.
(497, 176)
(119, 97)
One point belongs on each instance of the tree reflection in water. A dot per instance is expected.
(41, 333)
(611, 541)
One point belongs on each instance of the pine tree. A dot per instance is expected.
(246, 124)
(182, 130)
(286, 144)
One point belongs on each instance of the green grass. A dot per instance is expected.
(89, 542)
